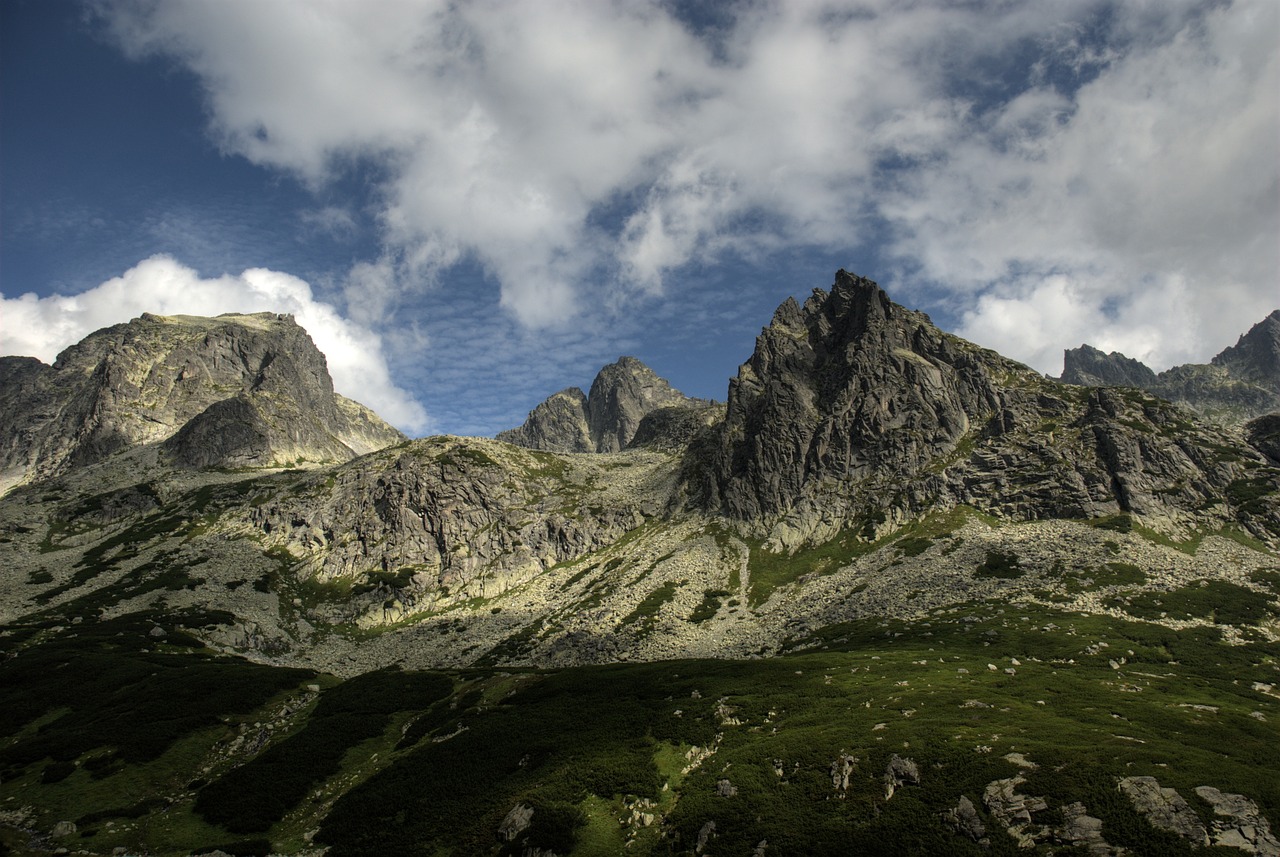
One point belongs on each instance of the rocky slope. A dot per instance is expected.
(234, 391)
(1239, 384)
(855, 413)
(953, 607)
(606, 419)
(867, 464)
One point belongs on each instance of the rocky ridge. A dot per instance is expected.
(1239, 384)
(856, 413)
(234, 391)
(868, 465)
(605, 420)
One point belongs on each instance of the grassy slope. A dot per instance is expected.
(590, 749)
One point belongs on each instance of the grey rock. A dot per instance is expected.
(473, 517)
(1081, 830)
(1164, 808)
(1238, 823)
(64, 829)
(675, 427)
(856, 414)
(963, 819)
(1240, 383)
(724, 788)
(841, 769)
(1015, 812)
(1090, 367)
(1255, 358)
(558, 424)
(899, 772)
(707, 831)
(258, 379)
(515, 822)
(1263, 435)
(606, 419)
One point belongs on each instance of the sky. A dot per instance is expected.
(471, 204)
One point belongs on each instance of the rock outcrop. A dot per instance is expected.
(1240, 383)
(249, 390)
(558, 424)
(1089, 367)
(855, 413)
(1238, 823)
(1165, 808)
(606, 419)
(439, 521)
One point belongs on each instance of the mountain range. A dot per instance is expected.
(191, 493)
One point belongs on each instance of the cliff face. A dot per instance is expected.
(1090, 367)
(855, 413)
(606, 419)
(237, 390)
(1239, 384)
(866, 463)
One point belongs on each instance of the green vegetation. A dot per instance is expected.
(395, 762)
(711, 600)
(1222, 602)
(769, 571)
(256, 795)
(1001, 565)
(646, 612)
(105, 699)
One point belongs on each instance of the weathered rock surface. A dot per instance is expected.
(452, 519)
(1263, 435)
(841, 769)
(1015, 811)
(515, 822)
(1164, 808)
(854, 419)
(1238, 823)
(1089, 367)
(1255, 357)
(963, 818)
(606, 419)
(1240, 383)
(857, 414)
(673, 428)
(900, 772)
(251, 390)
(1081, 830)
(559, 424)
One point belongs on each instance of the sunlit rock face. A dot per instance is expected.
(236, 390)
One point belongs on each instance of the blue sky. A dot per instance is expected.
(472, 205)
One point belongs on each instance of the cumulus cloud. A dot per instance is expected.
(1070, 166)
(41, 327)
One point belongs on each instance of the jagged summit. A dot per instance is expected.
(1255, 357)
(606, 419)
(1239, 384)
(1090, 367)
(236, 390)
(857, 413)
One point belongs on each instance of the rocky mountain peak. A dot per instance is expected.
(1091, 367)
(1239, 384)
(621, 395)
(1256, 356)
(236, 390)
(604, 420)
(854, 414)
(850, 384)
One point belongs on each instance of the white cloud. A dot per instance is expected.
(580, 150)
(42, 327)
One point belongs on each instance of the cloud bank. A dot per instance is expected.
(1051, 173)
(41, 327)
